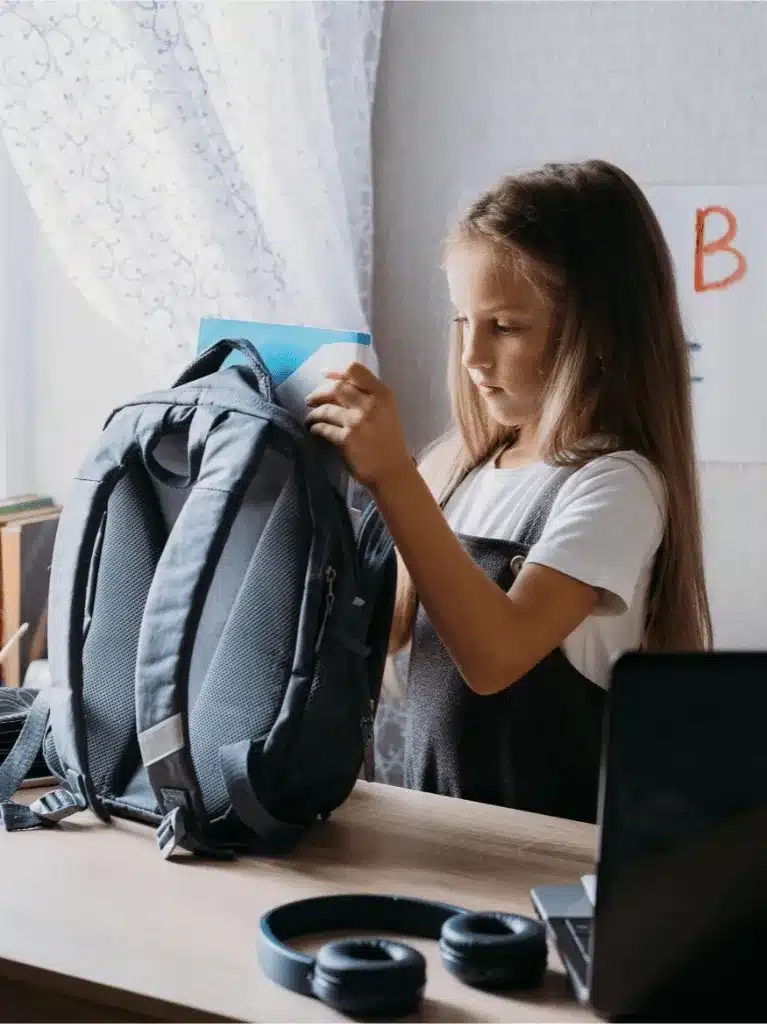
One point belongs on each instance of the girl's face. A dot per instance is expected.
(505, 324)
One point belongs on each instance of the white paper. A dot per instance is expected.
(725, 320)
(589, 883)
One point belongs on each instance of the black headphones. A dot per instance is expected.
(378, 977)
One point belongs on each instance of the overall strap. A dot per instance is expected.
(531, 528)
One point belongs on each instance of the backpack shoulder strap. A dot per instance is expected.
(75, 540)
(62, 702)
(227, 452)
(176, 597)
(235, 759)
(76, 537)
(13, 770)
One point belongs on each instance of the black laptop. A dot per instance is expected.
(674, 924)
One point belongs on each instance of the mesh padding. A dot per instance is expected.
(245, 685)
(132, 542)
(257, 505)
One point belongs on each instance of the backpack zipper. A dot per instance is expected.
(368, 725)
(368, 717)
(330, 597)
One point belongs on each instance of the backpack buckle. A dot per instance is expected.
(171, 832)
(58, 804)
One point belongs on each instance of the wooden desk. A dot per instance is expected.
(95, 925)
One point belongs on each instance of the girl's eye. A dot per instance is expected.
(497, 326)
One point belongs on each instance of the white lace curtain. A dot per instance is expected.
(190, 159)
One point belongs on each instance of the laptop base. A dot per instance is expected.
(568, 914)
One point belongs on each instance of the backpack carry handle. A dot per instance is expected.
(213, 358)
(199, 421)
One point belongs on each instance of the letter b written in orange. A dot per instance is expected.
(723, 244)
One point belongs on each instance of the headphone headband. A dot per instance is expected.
(376, 975)
(293, 969)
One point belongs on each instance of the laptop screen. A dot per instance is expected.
(681, 903)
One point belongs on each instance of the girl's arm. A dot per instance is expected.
(493, 637)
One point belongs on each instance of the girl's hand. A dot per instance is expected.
(358, 414)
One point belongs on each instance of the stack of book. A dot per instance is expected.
(28, 525)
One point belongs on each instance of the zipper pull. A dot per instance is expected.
(330, 597)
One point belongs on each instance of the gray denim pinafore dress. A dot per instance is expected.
(534, 746)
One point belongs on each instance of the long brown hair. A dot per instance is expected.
(617, 366)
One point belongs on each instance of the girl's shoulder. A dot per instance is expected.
(616, 482)
(620, 476)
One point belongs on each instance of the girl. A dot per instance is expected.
(558, 523)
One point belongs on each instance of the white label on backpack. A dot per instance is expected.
(161, 740)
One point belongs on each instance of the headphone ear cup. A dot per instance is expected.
(369, 976)
(498, 951)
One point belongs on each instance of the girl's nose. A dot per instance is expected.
(477, 352)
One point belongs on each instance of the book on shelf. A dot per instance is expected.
(12, 509)
(26, 553)
(18, 505)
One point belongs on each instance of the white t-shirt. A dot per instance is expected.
(604, 529)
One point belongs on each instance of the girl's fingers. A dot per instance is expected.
(331, 414)
(342, 393)
(329, 432)
(359, 376)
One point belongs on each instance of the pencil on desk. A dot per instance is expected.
(14, 639)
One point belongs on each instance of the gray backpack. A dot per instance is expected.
(217, 628)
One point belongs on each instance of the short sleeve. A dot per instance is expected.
(605, 527)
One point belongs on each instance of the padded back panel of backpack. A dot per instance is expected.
(244, 648)
(245, 640)
(225, 713)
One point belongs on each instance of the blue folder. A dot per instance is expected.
(283, 347)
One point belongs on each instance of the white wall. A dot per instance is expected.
(467, 90)
(673, 92)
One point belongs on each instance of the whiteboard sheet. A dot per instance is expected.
(718, 239)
